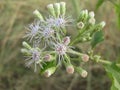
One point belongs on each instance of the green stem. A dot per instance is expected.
(74, 52)
(75, 41)
(99, 60)
(106, 62)
(89, 79)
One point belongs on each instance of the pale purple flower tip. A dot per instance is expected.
(66, 40)
(60, 49)
(47, 57)
(85, 58)
(48, 32)
(33, 31)
(70, 69)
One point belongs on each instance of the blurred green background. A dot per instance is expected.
(16, 14)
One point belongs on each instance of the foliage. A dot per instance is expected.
(97, 38)
(114, 73)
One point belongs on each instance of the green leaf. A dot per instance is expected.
(117, 8)
(113, 87)
(99, 3)
(97, 38)
(114, 74)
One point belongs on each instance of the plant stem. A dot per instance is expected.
(99, 60)
(89, 79)
(106, 62)
(74, 52)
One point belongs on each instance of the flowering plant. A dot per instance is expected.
(52, 47)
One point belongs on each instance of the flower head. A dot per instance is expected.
(33, 31)
(47, 35)
(60, 49)
(59, 22)
(48, 32)
(34, 57)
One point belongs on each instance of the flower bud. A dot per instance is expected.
(70, 69)
(84, 39)
(51, 9)
(49, 71)
(47, 57)
(85, 58)
(38, 14)
(66, 40)
(86, 12)
(26, 45)
(83, 15)
(57, 9)
(25, 51)
(92, 21)
(91, 14)
(102, 24)
(97, 58)
(63, 7)
(89, 38)
(82, 72)
(80, 25)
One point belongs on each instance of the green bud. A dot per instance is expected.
(51, 9)
(97, 58)
(38, 14)
(83, 15)
(24, 51)
(84, 39)
(92, 21)
(91, 14)
(82, 72)
(102, 24)
(88, 34)
(63, 7)
(26, 45)
(89, 38)
(57, 9)
(80, 25)
(49, 71)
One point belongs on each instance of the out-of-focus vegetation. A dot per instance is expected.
(16, 14)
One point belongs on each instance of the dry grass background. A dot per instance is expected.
(16, 14)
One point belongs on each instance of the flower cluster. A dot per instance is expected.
(51, 46)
